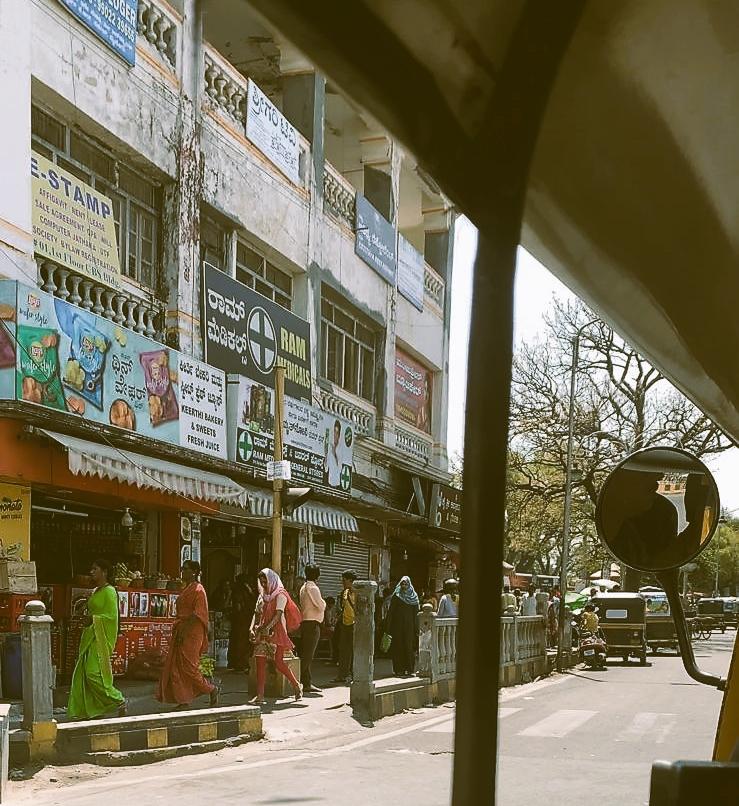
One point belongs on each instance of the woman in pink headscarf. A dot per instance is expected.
(269, 632)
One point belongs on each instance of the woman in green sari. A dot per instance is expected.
(93, 693)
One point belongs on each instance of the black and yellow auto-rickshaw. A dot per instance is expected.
(661, 633)
(711, 613)
(622, 620)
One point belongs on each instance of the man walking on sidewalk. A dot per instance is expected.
(312, 606)
(346, 635)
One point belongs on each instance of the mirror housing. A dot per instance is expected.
(657, 511)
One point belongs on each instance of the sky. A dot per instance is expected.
(534, 289)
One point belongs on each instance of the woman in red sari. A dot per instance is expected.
(269, 633)
(181, 680)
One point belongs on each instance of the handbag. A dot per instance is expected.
(385, 642)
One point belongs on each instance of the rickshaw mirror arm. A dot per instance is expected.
(669, 581)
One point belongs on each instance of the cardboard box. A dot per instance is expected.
(18, 577)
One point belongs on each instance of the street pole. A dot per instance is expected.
(568, 498)
(278, 483)
(568, 504)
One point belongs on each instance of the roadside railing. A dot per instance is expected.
(437, 646)
(522, 638)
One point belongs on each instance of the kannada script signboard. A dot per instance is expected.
(412, 391)
(112, 21)
(69, 359)
(247, 334)
(411, 271)
(73, 224)
(375, 240)
(445, 511)
(318, 445)
(272, 133)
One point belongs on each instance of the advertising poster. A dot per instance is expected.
(375, 240)
(318, 445)
(247, 334)
(112, 21)
(412, 392)
(73, 223)
(69, 359)
(15, 520)
(7, 339)
(411, 270)
(272, 133)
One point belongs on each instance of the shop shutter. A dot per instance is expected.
(346, 555)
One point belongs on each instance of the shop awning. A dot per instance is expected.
(106, 462)
(312, 513)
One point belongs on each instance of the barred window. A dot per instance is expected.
(348, 346)
(254, 270)
(212, 241)
(136, 200)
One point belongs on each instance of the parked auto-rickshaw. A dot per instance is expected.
(661, 632)
(711, 613)
(622, 620)
(731, 611)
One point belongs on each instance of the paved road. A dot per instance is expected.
(588, 735)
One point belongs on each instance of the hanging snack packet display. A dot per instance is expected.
(86, 363)
(38, 361)
(163, 406)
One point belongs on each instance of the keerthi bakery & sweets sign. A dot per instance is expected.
(68, 359)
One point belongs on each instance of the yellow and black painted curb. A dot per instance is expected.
(397, 698)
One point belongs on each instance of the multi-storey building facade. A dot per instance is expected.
(166, 134)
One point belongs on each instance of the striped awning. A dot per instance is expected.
(87, 458)
(311, 513)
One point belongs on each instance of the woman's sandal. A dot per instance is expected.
(299, 692)
(123, 709)
(257, 701)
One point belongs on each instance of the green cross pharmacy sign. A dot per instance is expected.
(245, 446)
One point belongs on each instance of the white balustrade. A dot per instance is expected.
(437, 643)
(225, 87)
(339, 196)
(362, 418)
(522, 638)
(434, 286)
(417, 445)
(123, 308)
(160, 30)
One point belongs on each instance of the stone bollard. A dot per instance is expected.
(38, 679)
(425, 634)
(364, 646)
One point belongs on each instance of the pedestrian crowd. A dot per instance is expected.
(264, 620)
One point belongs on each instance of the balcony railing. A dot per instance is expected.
(361, 416)
(122, 307)
(225, 86)
(339, 196)
(159, 27)
(434, 287)
(417, 445)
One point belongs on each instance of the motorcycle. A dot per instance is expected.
(592, 650)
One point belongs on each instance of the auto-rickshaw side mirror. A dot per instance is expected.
(658, 510)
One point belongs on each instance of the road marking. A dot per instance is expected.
(656, 725)
(504, 712)
(558, 724)
(110, 785)
(443, 727)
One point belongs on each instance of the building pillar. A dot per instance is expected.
(181, 249)
(439, 232)
(16, 235)
(38, 679)
(363, 675)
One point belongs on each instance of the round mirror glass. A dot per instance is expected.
(658, 509)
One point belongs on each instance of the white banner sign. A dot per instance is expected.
(318, 446)
(202, 407)
(272, 133)
(411, 271)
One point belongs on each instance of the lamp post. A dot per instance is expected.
(568, 496)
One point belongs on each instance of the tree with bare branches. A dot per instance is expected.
(622, 403)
